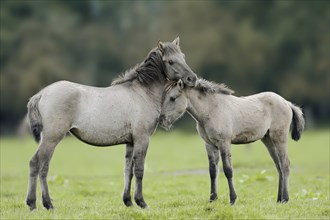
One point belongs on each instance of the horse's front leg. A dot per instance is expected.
(227, 169)
(213, 156)
(139, 154)
(128, 175)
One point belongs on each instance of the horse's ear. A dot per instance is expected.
(161, 46)
(180, 84)
(176, 41)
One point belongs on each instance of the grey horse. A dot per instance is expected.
(223, 119)
(127, 112)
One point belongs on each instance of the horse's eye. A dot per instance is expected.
(170, 62)
(172, 99)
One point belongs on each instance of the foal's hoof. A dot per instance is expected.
(31, 204)
(213, 197)
(141, 203)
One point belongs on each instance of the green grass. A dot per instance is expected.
(86, 182)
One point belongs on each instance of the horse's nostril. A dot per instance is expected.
(189, 79)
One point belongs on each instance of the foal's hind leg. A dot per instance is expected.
(278, 150)
(128, 173)
(213, 156)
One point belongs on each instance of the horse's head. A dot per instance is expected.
(174, 104)
(175, 65)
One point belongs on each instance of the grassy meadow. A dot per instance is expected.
(86, 182)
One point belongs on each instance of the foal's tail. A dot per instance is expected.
(34, 116)
(298, 122)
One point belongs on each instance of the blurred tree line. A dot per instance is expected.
(252, 46)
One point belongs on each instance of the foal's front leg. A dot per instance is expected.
(139, 154)
(128, 173)
(213, 156)
(227, 169)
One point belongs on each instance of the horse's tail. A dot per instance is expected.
(34, 116)
(298, 122)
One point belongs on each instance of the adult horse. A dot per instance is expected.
(223, 119)
(127, 112)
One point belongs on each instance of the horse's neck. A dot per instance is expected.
(154, 93)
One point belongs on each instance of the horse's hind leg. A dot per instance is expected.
(139, 154)
(45, 154)
(128, 173)
(278, 150)
(213, 156)
(39, 165)
(32, 185)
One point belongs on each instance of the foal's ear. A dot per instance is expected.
(161, 46)
(176, 41)
(180, 84)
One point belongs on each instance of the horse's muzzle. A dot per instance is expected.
(190, 81)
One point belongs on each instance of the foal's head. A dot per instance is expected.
(174, 105)
(176, 100)
(175, 65)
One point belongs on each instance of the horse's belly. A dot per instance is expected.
(102, 136)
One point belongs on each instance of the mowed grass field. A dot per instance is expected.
(86, 182)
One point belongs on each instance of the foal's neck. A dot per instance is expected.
(198, 105)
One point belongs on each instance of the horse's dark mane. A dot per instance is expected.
(147, 72)
(151, 68)
(206, 86)
(169, 85)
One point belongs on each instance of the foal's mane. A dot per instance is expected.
(151, 68)
(203, 86)
(206, 86)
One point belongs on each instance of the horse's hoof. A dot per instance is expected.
(141, 203)
(233, 199)
(48, 205)
(33, 208)
(213, 197)
(128, 203)
(283, 201)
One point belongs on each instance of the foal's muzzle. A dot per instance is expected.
(163, 123)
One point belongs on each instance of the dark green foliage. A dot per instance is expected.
(252, 46)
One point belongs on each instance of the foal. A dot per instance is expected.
(223, 119)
